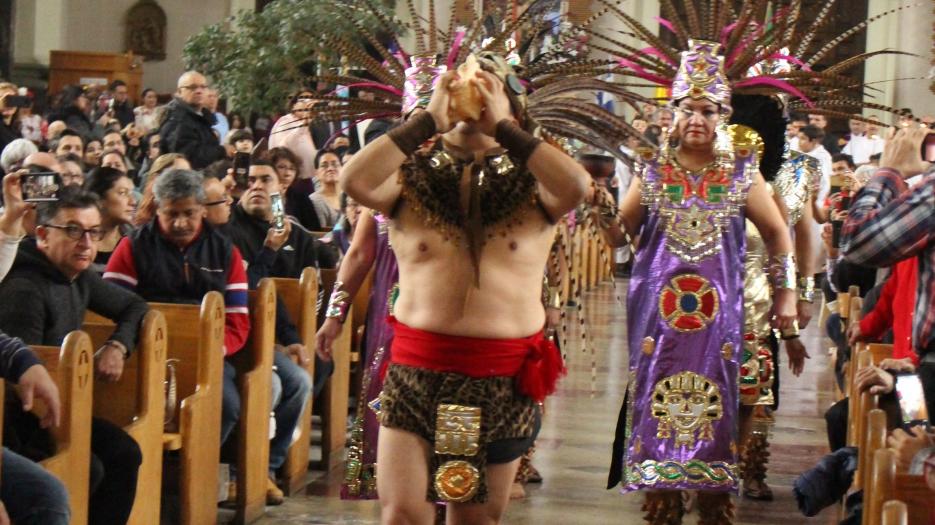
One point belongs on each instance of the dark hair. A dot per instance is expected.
(798, 117)
(116, 83)
(218, 169)
(812, 132)
(67, 132)
(322, 152)
(93, 139)
(69, 198)
(295, 96)
(100, 180)
(261, 160)
(112, 151)
(843, 157)
(876, 157)
(763, 114)
(234, 115)
(277, 154)
(145, 91)
(110, 131)
(69, 95)
(240, 134)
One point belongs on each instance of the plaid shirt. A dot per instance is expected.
(887, 223)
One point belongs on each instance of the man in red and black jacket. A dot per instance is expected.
(178, 258)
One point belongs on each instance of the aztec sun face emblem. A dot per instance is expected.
(688, 303)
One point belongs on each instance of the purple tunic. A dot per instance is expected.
(685, 315)
(379, 335)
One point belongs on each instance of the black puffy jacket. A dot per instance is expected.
(189, 132)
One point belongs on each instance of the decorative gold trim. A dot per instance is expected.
(457, 430)
(457, 481)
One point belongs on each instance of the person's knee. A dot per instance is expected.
(405, 513)
(130, 454)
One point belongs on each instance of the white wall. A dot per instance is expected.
(99, 25)
(909, 30)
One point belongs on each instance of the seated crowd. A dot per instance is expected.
(150, 209)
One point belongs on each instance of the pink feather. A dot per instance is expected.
(455, 49)
(659, 54)
(776, 83)
(665, 23)
(642, 73)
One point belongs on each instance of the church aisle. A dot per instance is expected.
(574, 445)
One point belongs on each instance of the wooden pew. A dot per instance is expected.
(196, 339)
(72, 369)
(889, 484)
(360, 305)
(895, 513)
(334, 414)
(254, 365)
(300, 297)
(137, 404)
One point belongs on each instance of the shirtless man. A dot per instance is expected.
(466, 293)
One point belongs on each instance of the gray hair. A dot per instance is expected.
(15, 153)
(176, 184)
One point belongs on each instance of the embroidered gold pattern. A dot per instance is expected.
(686, 403)
(457, 481)
(457, 430)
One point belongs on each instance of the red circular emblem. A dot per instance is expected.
(688, 303)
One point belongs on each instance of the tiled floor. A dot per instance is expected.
(573, 449)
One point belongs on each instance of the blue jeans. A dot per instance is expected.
(230, 402)
(291, 387)
(30, 494)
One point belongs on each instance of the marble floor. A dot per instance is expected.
(574, 446)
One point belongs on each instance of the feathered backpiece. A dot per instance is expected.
(552, 86)
(764, 48)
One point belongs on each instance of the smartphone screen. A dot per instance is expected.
(41, 187)
(279, 211)
(241, 169)
(911, 398)
(16, 101)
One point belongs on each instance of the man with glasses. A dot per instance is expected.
(188, 125)
(46, 295)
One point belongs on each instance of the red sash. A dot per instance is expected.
(534, 361)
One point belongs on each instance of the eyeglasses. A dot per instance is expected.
(220, 202)
(75, 233)
(195, 87)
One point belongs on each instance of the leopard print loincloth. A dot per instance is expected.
(411, 396)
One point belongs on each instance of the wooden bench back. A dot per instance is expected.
(137, 404)
(71, 366)
(895, 513)
(888, 484)
(255, 366)
(196, 339)
(300, 297)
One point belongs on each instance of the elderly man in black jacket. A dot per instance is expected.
(187, 127)
(45, 297)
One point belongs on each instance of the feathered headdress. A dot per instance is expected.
(550, 85)
(719, 50)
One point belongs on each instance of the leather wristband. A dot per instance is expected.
(411, 134)
(516, 140)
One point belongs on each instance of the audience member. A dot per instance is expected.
(178, 257)
(147, 115)
(47, 293)
(68, 142)
(187, 126)
(291, 132)
(829, 140)
(14, 153)
(114, 159)
(343, 231)
(92, 153)
(146, 209)
(71, 170)
(272, 252)
(30, 494)
(73, 108)
(30, 124)
(862, 144)
(117, 203)
(241, 140)
(121, 107)
(327, 200)
(218, 202)
(797, 121)
(221, 126)
(9, 123)
(889, 222)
